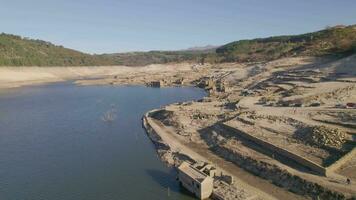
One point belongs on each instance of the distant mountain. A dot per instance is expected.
(194, 54)
(156, 57)
(338, 40)
(202, 48)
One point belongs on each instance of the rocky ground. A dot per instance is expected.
(295, 104)
(298, 105)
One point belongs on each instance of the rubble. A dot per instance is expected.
(225, 191)
(326, 136)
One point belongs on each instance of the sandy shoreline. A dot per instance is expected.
(11, 77)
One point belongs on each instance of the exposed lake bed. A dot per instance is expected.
(55, 145)
(215, 129)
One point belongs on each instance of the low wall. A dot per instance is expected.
(299, 159)
(169, 155)
(277, 176)
(217, 196)
(153, 135)
(341, 161)
(325, 171)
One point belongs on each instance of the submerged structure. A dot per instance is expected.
(195, 181)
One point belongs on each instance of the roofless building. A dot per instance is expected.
(195, 181)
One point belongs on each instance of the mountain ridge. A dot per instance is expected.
(338, 40)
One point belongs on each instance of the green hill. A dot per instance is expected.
(158, 57)
(17, 51)
(339, 40)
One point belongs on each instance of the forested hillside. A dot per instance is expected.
(18, 51)
(339, 40)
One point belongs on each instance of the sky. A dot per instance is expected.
(107, 26)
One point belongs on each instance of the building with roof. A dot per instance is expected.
(195, 181)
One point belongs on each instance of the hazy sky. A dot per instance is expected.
(135, 25)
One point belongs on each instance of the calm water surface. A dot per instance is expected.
(55, 145)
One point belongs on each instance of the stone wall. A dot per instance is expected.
(155, 138)
(325, 171)
(341, 161)
(299, 159)
(277, 176)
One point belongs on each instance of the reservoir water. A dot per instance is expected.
(58, 143)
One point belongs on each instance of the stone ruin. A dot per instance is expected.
(326, 136)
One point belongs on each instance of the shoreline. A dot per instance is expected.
(173, 152)
(12, 77)
(246, 95)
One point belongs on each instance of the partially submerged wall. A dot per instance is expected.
(155, 138)
(171, 157)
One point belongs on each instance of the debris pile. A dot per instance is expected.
(326, 136)
(225, 191)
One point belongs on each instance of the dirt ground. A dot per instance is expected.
(281, 102)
